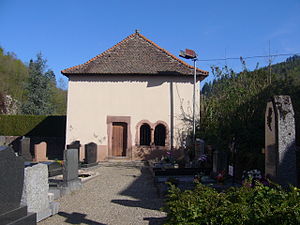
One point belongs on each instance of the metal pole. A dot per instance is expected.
(194, 101)
(270, 72)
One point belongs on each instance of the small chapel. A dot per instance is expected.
(131, 100)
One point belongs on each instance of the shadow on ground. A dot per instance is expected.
(143, 190)
(155, 220)
(78, 218)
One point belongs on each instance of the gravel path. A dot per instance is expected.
(123, 193)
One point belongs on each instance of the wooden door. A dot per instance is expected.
(119, 139)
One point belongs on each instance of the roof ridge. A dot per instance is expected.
(170, 54)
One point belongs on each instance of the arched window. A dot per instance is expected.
(145, 134)
(160, 135)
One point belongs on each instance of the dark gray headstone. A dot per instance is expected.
(75, 145)
(280, 145)
(70, 172)
(70, 169)
(25, 149)
(11, 187)
(219, 161)
(90, 153)
(12, 176)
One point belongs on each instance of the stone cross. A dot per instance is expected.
(280, 146)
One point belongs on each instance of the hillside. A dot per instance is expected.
(234, 108)
(289, 69)
(13, 75)
(14, 78)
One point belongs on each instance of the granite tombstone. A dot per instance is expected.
(90, 154)
(280, 146)
(75, 145)
(71, 181)
(25, 149)
(35, 191)
(11, 187)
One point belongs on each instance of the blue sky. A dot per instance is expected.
(70, 32)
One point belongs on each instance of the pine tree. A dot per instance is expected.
(38, 89)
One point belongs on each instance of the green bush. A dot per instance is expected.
(31, 125)
(245, 205)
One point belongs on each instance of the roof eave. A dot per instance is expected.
(199, 75)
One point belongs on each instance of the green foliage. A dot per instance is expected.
(30, 125)
(13, 75)
(38, 89)
(244, 206)
(234, 107)
(33, 87)
(58, 100)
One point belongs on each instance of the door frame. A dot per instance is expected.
(118, 119)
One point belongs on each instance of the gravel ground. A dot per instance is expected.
(123, 193)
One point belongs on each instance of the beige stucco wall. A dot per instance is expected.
(92, 98)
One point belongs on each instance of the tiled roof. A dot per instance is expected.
(135, 55)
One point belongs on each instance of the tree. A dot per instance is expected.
(234, 108)
(38, 88)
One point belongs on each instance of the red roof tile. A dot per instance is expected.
(135, 55)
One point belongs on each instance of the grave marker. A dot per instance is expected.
(90, 155)
(25, 149)
(280, 146)
(11, 187)
(70, 171)
(75, 145)
(35, 191)
(40, 152)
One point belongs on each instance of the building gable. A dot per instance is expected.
(135, 55)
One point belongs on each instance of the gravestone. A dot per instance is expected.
(280, 146)
(11, 187)
(75, 145)
(71, 182)
(25, 149)
(200, 144)
(90, 155)
(219, 161)
(40, 152)
(54, 168)
(35, 191)
(2, 140)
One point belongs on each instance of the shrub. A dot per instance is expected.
(31, 125)
(257, 205)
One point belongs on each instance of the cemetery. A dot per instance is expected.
(40, 183)
(118, 160)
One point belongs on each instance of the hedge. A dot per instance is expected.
(31, 125)
(258, 205)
